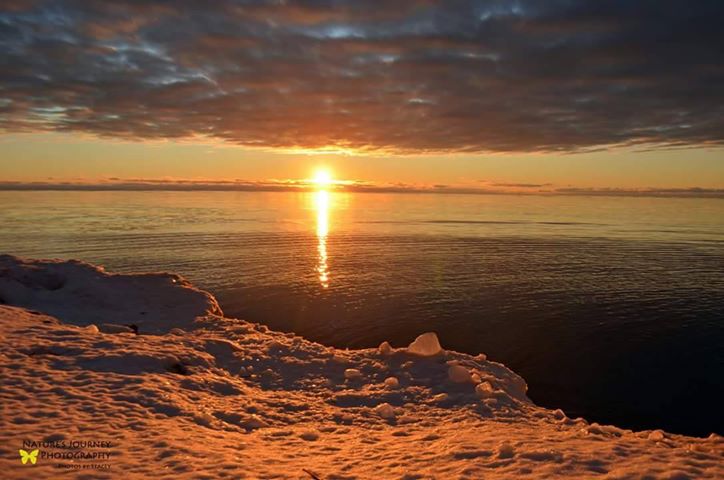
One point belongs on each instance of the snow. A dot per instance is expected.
(198, 395)
(506, 450)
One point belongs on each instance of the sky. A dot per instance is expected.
(520, 95)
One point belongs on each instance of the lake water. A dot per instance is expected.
(611, 308)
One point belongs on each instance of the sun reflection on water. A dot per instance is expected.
(321, 203)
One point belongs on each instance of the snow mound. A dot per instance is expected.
(83, 294)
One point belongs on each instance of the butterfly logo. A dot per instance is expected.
(32, 456)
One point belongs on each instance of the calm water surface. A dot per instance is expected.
(610, 307)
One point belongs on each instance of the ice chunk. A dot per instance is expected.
(440, 397)
(385, 410)
(484, 389)
(459, 374)
(113, 328)
(91, 328)
(385, 349)
(656, 435)
(352, 374)
(392, 382)
(426, 345)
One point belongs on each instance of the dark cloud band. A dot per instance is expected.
(404, 76)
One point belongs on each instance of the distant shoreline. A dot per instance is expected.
(441, 190)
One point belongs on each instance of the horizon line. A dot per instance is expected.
(239, 186)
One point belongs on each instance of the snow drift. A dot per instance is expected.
(149, 364)
(83, 294)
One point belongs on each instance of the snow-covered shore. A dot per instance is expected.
(149, 365)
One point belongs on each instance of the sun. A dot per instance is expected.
(322, 178)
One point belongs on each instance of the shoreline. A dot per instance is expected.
(149, 363)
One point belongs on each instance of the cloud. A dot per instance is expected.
(696, 192)
(521, 185)
(403, 76)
